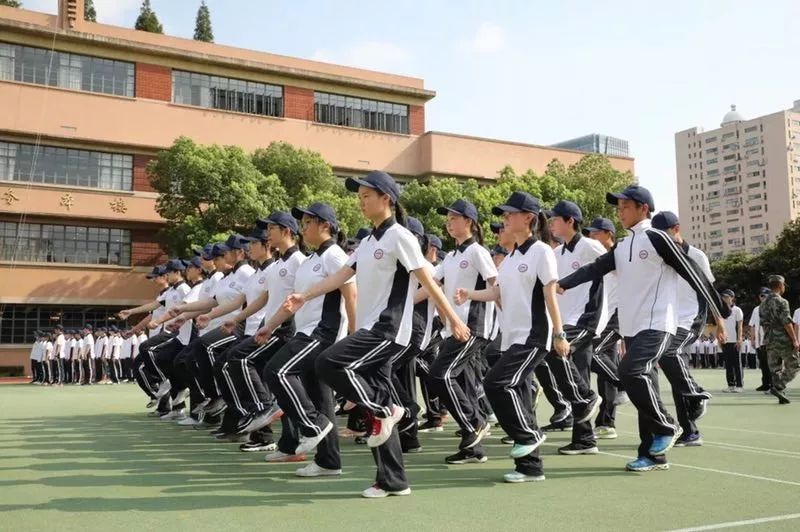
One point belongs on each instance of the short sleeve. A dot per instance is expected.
(334, 260)
(483, 262)
(438, 272)
(408, 252)
(796, 317)
(352, 260)
(739, 314)
(547, 267)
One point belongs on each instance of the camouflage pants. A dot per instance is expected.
(784, 363)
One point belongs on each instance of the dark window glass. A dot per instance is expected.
(360, 112)
(228, 94)
(18, 322)
(27, 242)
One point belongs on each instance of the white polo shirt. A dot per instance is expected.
(100, 347)
(159, 311)
(280, 281)
(255, 286)
(575, 304)
(731, 329)
(384, 263)
(48, 350)
(74, 350)
(426, 310)
(87, 349)
(755, 323)
(207, 292)
(323, 316)
(115, 346)
(469, 266)
(36, 350)
(229, 287)
(61, 346)
(522, 278)
(190, 295)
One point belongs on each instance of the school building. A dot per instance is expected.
(86, 106)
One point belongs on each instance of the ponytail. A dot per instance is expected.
(477, 231)
(400, 214)
(341, 239)
(540, 229)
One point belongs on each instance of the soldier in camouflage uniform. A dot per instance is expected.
(782, 345)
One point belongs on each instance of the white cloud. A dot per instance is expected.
(488, 39)
(115, 12)
(373, 55)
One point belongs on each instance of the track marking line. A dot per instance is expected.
(733, 524)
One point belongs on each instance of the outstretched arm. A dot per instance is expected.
(593, 271)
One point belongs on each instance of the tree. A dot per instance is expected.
(295, 167)
(89, 12)
(148, 21)
(10, 3)
(208, 190)
(202, 25)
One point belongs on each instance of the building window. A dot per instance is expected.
(754, 208)
(65, 166)
(730, 179)
(729, 157)
(752, 151)
(756, 226)
(751, 129)
(33, 242)
(733, 229)
(711, 161)
(18, 322)
(731, 146)
(713, 182)
(359, 112)
(730, 168)
(227, 94)
(65, 70)
(752, 141)
(711, 151)
(711, 173)
(709, 140)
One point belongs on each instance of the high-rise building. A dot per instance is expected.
(85, 106)
(596, 143)
(738, 184)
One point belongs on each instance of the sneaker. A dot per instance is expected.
(382, 427)
(376, 492)
(621, 398)
(202, 425)
(216, 407)
(257, 446)
(412, 450)
(313, 470)
(588, 411)
(558, 426)
(508, 440)
(738, 389)
(163, 389)
(466, 457)
(689, 440)
(156, 413)
(406, 424)
(174, 415)
(578, 448)
(188, 422)
(306, 444)
(236, 438)
(605, 433)
(181, 396)
(152, 404)
(697, 409)
(729, 389)
(360, 440)
(645, 464)
(519, 450)
(763, 388)
(201, 406)
(782, 399)
(431, 426)
(253, 422)
(515, 477)
(663, 443)
(277, 456)
(471, 439)
(492, 419)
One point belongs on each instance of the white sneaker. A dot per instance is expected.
(278, 456)
(188, 422)
(163, 389)
(201, 407)
(174, 415)
(729, 389)
(306, 445)
(313, 470)
(387, 424)
(491, 419)
(181, 396)
(738, 389)
(375, 492)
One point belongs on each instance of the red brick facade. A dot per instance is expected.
(141, 183)
(145, 251)
(298, 103)
(153, 82)
(416, 119)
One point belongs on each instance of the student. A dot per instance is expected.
(782, 344)
(468, 266)
(88, 355)
(60, 354)
(75, 357)
(730, 350)
(649, 264)
(359, 366)
(530, 327)
(758, 342)
(35, 369)
(48, 360)
(306, 400)
(748, 352)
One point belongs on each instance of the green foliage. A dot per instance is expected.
(147, 20)
(10, 3)
(295, 167)
(89, 12)
(202, 25)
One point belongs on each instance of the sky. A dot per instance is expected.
(533, 71)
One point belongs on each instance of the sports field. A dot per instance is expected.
(88, 458)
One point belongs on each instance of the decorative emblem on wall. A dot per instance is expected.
(9, 197)
(118, 205)
(67, 200)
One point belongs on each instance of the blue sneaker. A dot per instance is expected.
(662, 444)
(689, 440)
(645, 464)
(516, 477)
(519, 449)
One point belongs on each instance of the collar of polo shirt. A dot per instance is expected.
(324, 246)
(525, 246)
(465, 244)
(572, 243)
(381, 229)
(289, 252)
(266, 263)
(238, 265)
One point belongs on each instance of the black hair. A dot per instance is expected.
(400, 214)
(639, 206)
(477, 231)
(540, 228)
(336, 233)
(575, 225)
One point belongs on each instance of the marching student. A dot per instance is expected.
(649, 264)
(127, 350)
(584, 313)
(530, 327)
(88, 354)
(76, 347)
(469, 266)
(35, 367)
(730, 349)
(748, 352)
(101, 355)
(60, 354)
(48, 360)
(389, 264)
(290, 374)
(114, 361)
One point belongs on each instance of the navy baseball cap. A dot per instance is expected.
(376, 180)
(498, 250)
(728, 292)
(363, 233)
(434, 241)
(284, 219)
(235, 241)
(176, 265)
(204, 252)
(460, 207)
(519, 202)
(601, 224)
(635, 193)
(195, 263)
(496, 227)
(665, 219)
(415, 226)
(259, 233)
(88, 327)
(58, 328)
(764, 291)
(157, 271)
(323, 211)
(113, 328)
(566, 209)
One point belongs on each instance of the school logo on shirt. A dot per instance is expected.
(317, 267)
(576, 265)
(522, 268)
(262, 280)
(463, 264)
(233, 285)
(283, 272)
(378, 254)
(643, 254)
